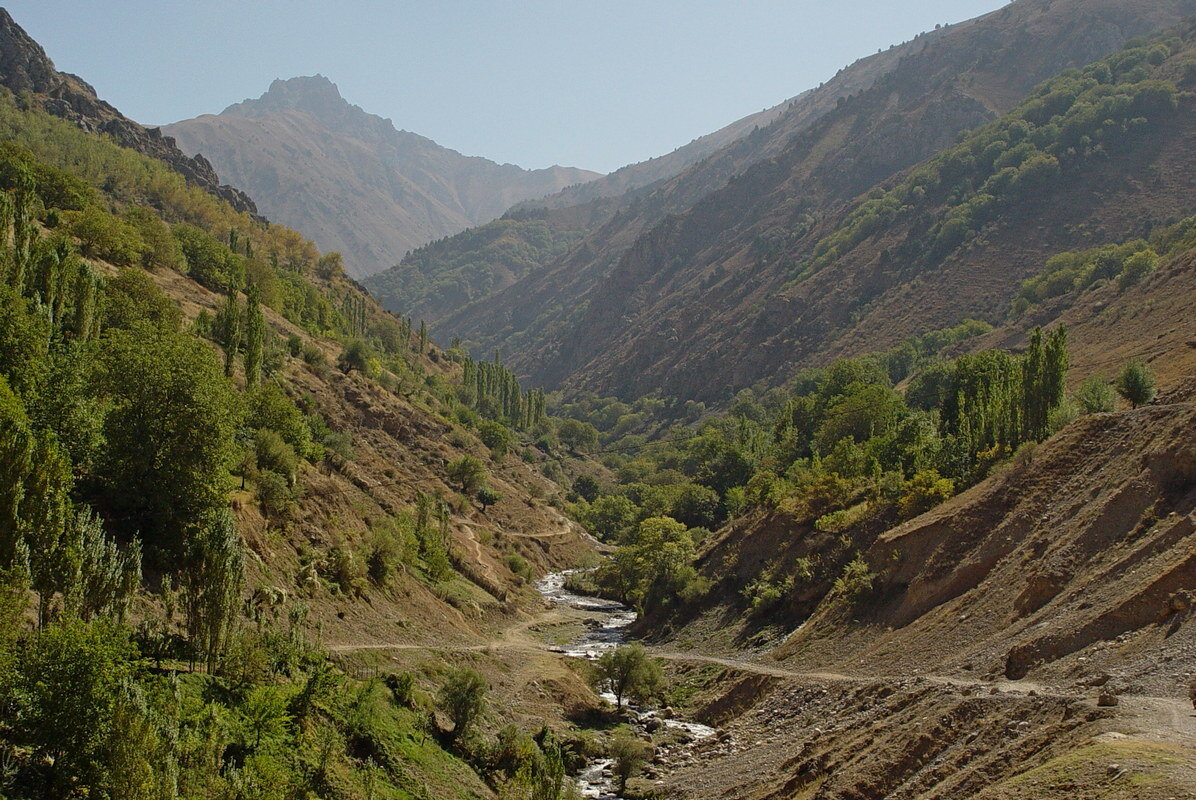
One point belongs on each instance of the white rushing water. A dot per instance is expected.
(609, 621)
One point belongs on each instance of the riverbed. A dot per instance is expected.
(608, 623)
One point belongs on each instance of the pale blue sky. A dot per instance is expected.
(593, 84)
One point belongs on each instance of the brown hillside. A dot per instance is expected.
(608, 212)
(401, 445)
(973, 667)
(696, 306)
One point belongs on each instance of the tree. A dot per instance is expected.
(488, 497)
(463, 699)
(212, 581)
(468, 472)
(629, 755)
(628, 672)
(1096, 396)
(611, 516)
(263, 717)
(586, 488)
(228, 328)
(68, 684)
(255, 332)
(496, 436)
(1136, 383)
(655, 564)
(358, 356)
(577, 435)
(696, 506)
(169, 433)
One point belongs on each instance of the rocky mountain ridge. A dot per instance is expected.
(25, 67)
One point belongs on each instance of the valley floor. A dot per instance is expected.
(789, 733)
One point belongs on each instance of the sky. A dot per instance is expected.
(595, 84)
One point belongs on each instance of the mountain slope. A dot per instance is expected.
(961, 653)
(694, 306)
(186, 386)
(349, 179)
(606, 214)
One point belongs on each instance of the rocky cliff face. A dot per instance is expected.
(25, 67)
(350, 179)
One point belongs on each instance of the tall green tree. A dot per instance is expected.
(255, 332)
(228, 328)
(169, 434)
(212, 582)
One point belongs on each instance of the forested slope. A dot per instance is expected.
(220, 456)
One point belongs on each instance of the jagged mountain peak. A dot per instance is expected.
(314, 94)
(24, 65)
(362, 186)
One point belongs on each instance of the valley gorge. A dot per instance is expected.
(843, 453)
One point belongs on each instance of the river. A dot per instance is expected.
(608, 622)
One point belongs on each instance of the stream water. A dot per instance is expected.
(607, 623)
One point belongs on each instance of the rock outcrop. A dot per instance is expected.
(26, 69)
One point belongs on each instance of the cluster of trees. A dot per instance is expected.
(120, 436)
(1068, 120)
(492, 390)
(836, 446)
(1126, 264)
(86, 713)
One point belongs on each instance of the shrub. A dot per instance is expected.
(763, 594)
(856, 581)
(1137, 267)
(518, 565)
(1096, 396)
(402, 688)
(463, 700)
(1136, 383)
(924, 491)
(275, 494)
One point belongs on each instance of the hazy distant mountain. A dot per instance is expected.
(437, 280)
(349, 179)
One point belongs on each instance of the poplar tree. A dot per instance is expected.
(212, 584)
(228, 328)
(255, 330)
